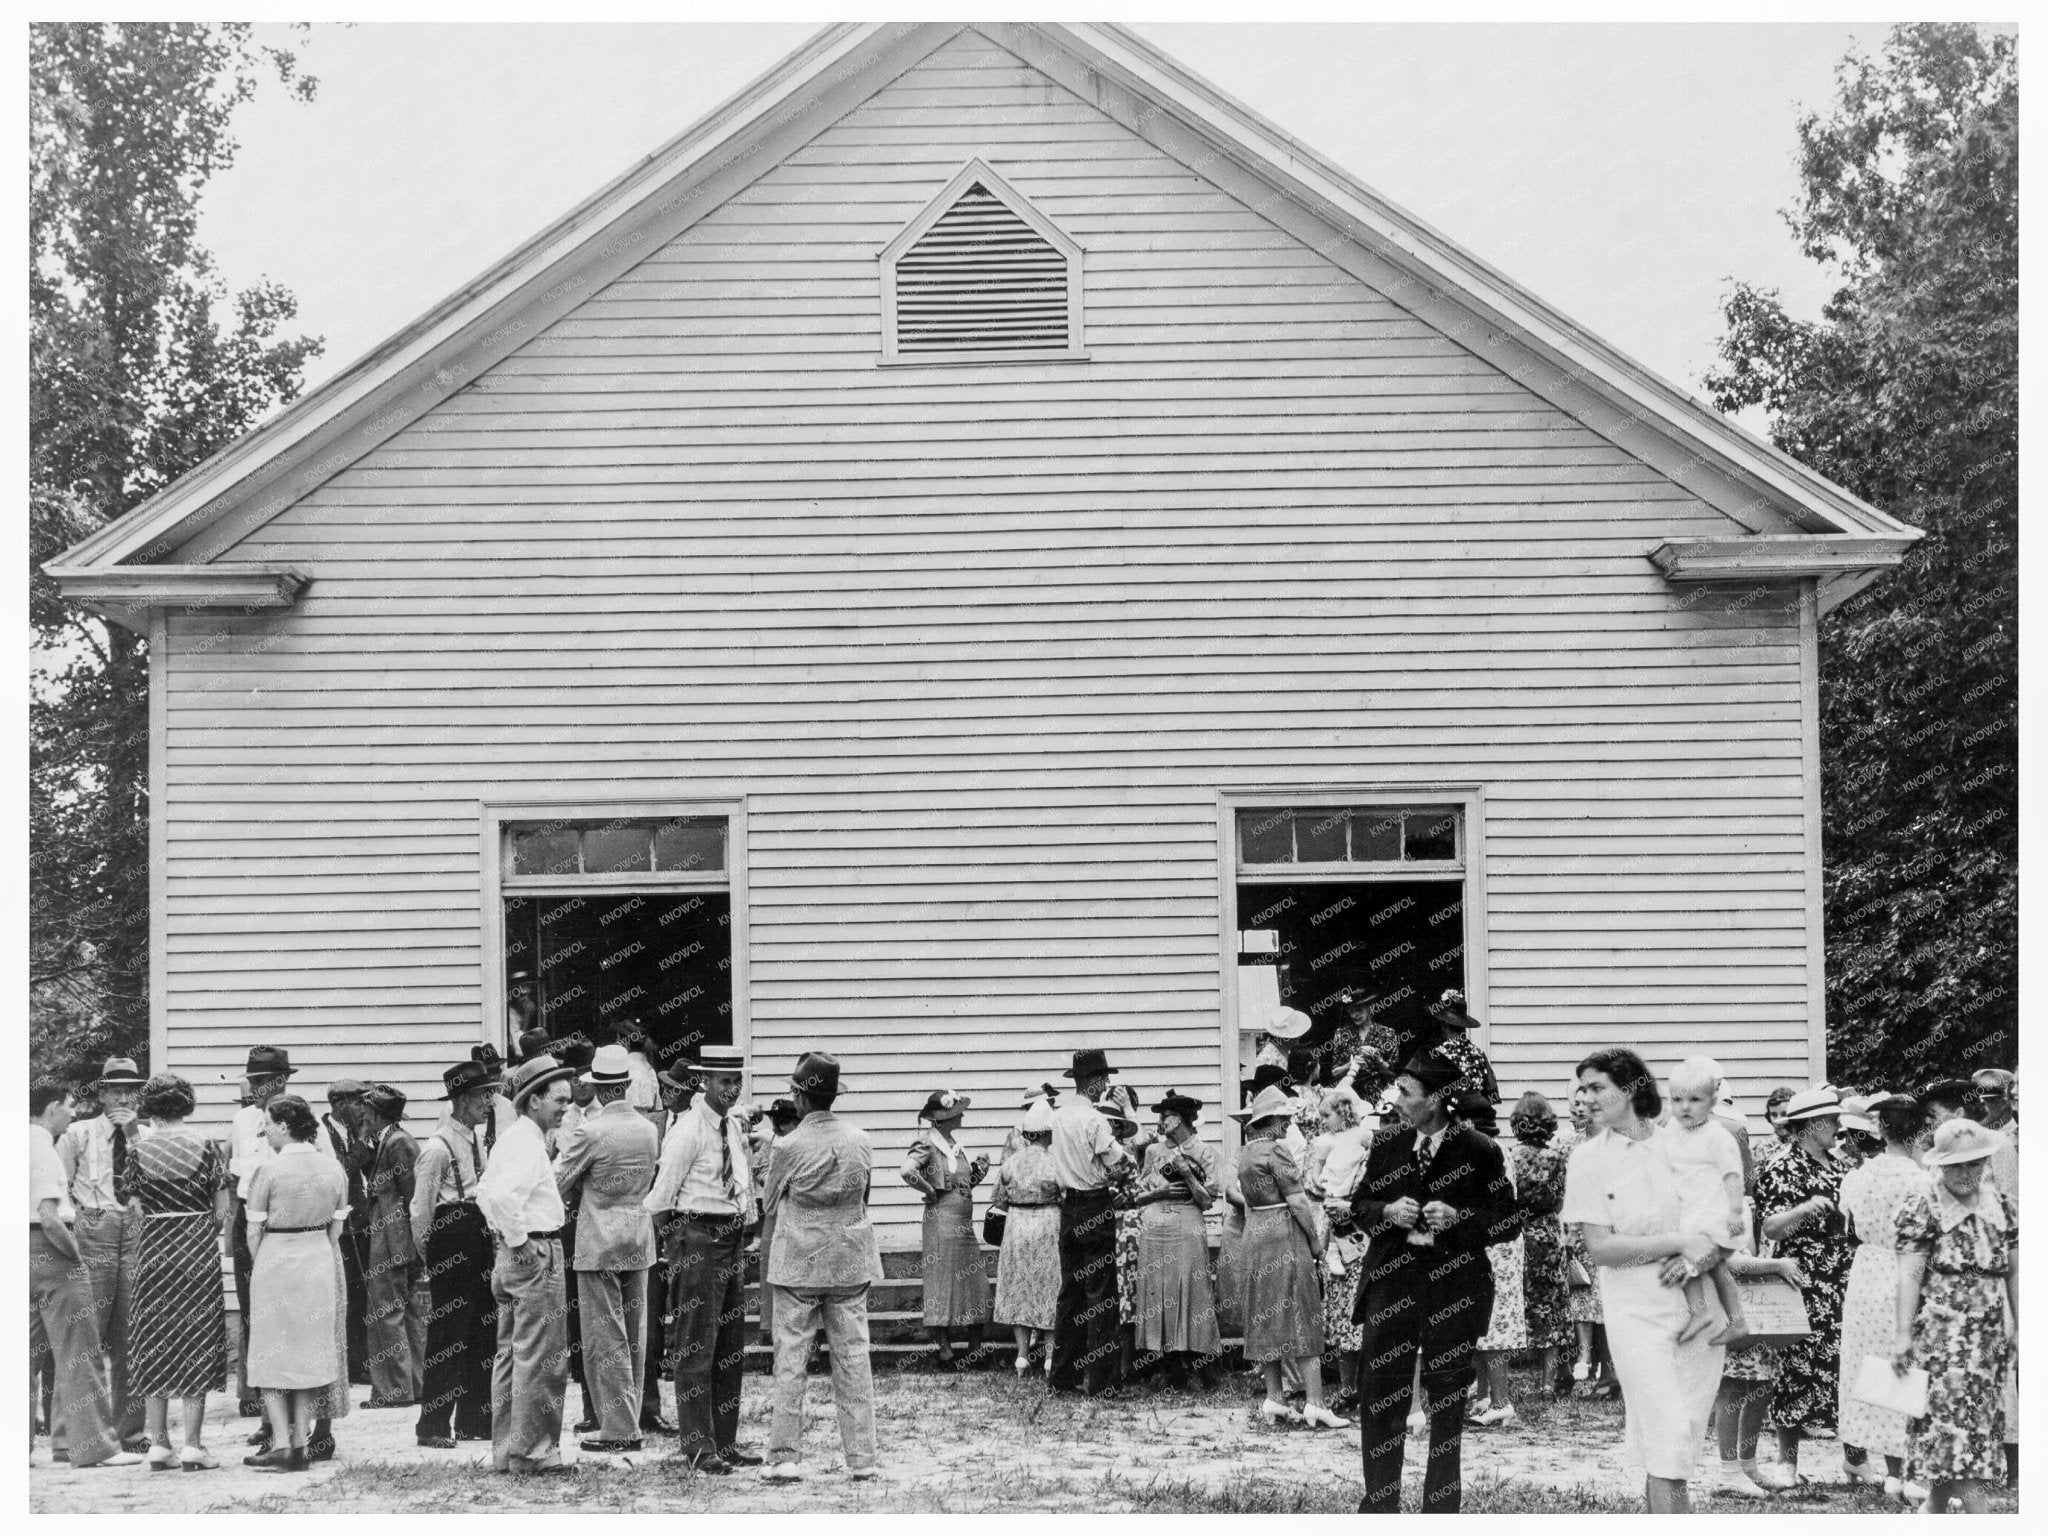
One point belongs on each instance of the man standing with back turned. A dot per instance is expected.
(1084, 1154)
(825, 1257)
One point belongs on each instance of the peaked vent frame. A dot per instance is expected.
(977, 172)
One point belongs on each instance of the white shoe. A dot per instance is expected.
(1581, 1369)
(1023, 1365)
(1913, 1493)
(1418, 1423)
(1495, 1418)
(1317, 1415)
(1776, 1478)
(1278, 1413)
(118, 1459)
(783, 1472)
(1734, 1483)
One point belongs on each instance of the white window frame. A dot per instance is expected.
(493, 816)
(1470, 801)
(977, 170)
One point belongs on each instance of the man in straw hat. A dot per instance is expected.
(94, 1155)
(825, 1256)
(448, 1229)
(704, 1192)
(1085, 1152)
(609, 1160)
(1430, 1196)
(523, 1208)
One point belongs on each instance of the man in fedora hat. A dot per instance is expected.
(523, 1208)
(94, 1155)
(343, 1137)
(1085, 1153)
(609, 1161)
(264, 1077)
(1431, 1196)
(824, 1259)
(392, 1271)
(449, 1231)
(704, 1193)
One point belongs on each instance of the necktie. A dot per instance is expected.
(731, 1184)
(490, 1137)
(120, 1165)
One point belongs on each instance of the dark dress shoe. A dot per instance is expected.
(320, 1450)
(390, 1402)
(435, 1442)
(278, 1459)
(732, 1455)
(610, 1447)
(715, 1466)
(261, 1438)
(586, 1426)
(138, 1445)
(655, 1424)
(472, 1434)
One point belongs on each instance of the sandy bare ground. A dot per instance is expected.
(979, 1442)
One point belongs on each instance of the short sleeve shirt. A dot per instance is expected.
(1613, 1181)
(1082, 1145)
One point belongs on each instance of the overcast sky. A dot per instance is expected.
(1623, 173)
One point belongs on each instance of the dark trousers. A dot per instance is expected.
(462, 1326)
(708, 1334)
(1397, 1327)
(239, 1248)
(1085, 1342)
(575, 1318)
(357, 1302)
(657, 1344)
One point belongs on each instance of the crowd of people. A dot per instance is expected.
(1386, 1251)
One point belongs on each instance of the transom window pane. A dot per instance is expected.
(676, 845)
(690, 844)
(1339, 834)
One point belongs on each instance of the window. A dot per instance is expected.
(677, 848)
(1348, 835)
(980, 276)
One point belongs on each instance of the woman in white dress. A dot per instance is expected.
(1620, 1193)
(1873, 1194)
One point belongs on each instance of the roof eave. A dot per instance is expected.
(127, 594)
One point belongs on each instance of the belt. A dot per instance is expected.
(713, 1218)
(1072, 1196)
(1277, 1205)
(1031, 1205)
(535, 1237)
(280, 1231)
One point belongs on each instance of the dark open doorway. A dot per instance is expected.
(1363, 959)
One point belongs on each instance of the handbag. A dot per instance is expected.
(1575, 1274)
(992, 1224)
(1775, 1310)
(1882, 1387)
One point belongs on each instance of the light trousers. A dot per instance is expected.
(530, 1374)
(842, 1311)
(61, 1315)
(613, 1303)
(108, 1242)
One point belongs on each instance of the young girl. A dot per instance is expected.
(1706, 1167)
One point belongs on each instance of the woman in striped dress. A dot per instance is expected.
(177, 1185)
(955, 1275)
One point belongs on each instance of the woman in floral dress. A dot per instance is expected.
(1507, 1330)
(1582, 1300)
(1537, 1168)
(1028, 1263)
(1872, 1197)
(1799, 1196)
(1958, 1291)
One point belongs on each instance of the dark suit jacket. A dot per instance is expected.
(1451, 1276)
(389, 1190)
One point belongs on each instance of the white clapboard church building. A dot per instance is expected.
(968, 549)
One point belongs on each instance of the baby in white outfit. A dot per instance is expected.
(1706, 1167)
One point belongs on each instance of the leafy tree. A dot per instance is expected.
(1907, 392)
(140, 366)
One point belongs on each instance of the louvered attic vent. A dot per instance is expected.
(980, 276)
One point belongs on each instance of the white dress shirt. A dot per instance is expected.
(87, 1153)
(248, 1146)
(517, 1192)
(688, 1179)
(45, 1177)
(643, 1088)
